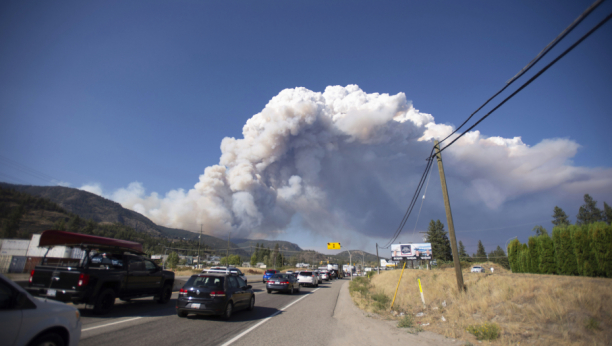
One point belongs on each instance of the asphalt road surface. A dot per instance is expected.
(144, 322)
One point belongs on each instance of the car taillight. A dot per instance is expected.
(217, 294)
(31, 275)
(285, 283)
(182, 292)
(83, 280)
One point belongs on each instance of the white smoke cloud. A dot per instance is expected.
(345, 160)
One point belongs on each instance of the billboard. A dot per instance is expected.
(415, 251)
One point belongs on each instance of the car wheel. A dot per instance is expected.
(105, 302)
(181, 314)
(228, 311)
(252, 303)
(317, 285)
(269, 291)
(166, 293)
(50, 339)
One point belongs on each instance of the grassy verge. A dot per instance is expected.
(499, 309)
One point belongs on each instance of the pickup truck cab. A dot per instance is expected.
(105, 269)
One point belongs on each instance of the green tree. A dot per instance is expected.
(60, 225)
(601, 239)
(499, 256)
(534, 256)
(588, 212)
(560, 218)
(172, 260)
(462, 252)
(607, 214)
(481, 254)
(539, 230)
(564, 251)
(513, 255)
(253, 259)
(547, 255)
(440, 245)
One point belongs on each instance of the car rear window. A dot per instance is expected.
(270, 271)
(305, 273)
(205, 281)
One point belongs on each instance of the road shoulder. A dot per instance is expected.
(355, 328)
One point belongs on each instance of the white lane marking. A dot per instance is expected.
(110, 324)
(263, 321)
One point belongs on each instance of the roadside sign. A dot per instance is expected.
(333, 246)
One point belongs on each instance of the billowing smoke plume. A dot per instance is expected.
(345, 160)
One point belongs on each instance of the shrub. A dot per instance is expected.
(381, 300)
(360, 285)
(485, 331)
(406, 322)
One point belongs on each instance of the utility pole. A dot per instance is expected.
(228, 237)
(378, 259)
(449, 220)
(350, 264)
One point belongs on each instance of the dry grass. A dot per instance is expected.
(529, 308)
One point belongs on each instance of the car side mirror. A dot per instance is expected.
(248, 287)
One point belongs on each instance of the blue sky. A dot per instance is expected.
(112, 93)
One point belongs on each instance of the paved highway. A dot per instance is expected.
(144, 322)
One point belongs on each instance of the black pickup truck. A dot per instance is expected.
(101, 270)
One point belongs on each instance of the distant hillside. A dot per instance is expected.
(288, 249)
(218, 244)
(357, 256)
(101, 210)
(89, 206)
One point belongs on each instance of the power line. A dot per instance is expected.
(412, 203)
(532, 78)
(27, 170)
(537, 58)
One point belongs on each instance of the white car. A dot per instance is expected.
(324, 275)
(308, 278)
(225, 270)
(477, 269)
(27, 320)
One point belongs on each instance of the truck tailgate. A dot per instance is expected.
(56, 278)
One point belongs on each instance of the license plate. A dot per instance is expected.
(51, 293)
(277, 283)
(195, 305)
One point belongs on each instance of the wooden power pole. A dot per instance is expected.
(449, 220)
(378, 259)
(228, 238)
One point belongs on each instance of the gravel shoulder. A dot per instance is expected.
(354, 327)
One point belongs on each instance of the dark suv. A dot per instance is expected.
(214, 294)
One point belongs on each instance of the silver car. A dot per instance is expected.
(27, 320)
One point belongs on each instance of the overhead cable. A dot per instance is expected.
(532, 79)
(537, 58)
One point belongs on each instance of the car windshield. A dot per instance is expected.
(213, 282)
(305, 274)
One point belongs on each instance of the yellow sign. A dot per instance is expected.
(333, 246)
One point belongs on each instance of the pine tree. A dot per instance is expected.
(254, 259)
(440, 245)
(539, 230)
(560, 218)
(588, 212)
(499, 256)
(481, 254)
(607, 214)
(462, 252)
